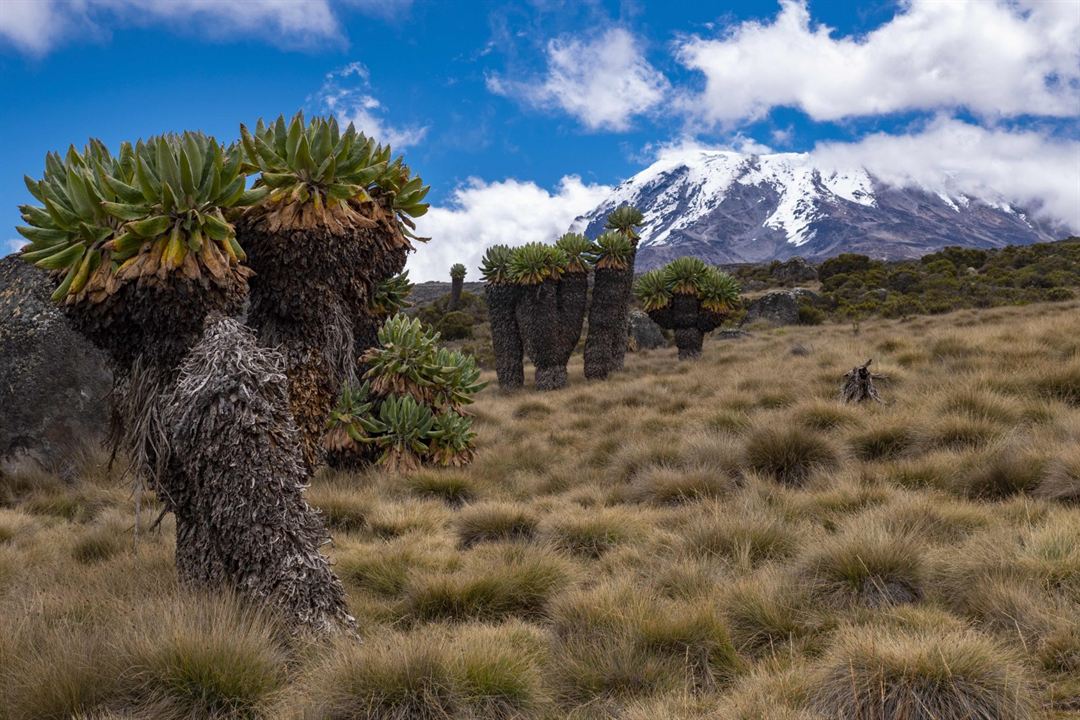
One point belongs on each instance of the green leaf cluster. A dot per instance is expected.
(625, 219)
(391, 296)
(717, 290)
(578, 249)
(533, 263)
(495, 265)
(612, 250)
(457, 271)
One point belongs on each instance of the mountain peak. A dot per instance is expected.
(725, 206)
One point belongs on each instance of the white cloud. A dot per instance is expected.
(603, 82)
(11, 246)
(1024, 167)
(36, 26)
(510, 212)
(346, 93)
(993, 57)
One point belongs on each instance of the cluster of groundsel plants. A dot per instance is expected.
(318, 175)
(409, 409)
(151, 213)
(391, 296)
(689, 297)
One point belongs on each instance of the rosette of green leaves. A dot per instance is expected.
(652, 290)
(450, 439)
(401, 428)
(315, 162)
(685, 275)
(456, 378)
(495, 265)
(719, 291)
(533, 263)
(139, 214)
(578, 249)
(404, 358)
(457, 271)
(391, 295)
(353, 412)
(625, 219)
(612, 250)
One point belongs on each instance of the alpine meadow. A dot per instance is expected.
(583, 360)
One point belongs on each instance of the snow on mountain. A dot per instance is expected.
(727, 207)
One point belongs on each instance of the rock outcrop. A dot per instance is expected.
(54, 385)
(644, 333)
(779, 307)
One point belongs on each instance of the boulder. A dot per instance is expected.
(644, 333)
(794, 271)
(779, 307)
(53, 383)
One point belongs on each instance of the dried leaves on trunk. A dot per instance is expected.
(858, 385)
(238, 480)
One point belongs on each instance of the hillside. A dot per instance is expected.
(684, 541)
(729, 207)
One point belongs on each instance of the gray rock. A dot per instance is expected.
(780, 307)
(53, 383)
(644, 333)
(794, 271)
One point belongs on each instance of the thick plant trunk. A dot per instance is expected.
(456, 285)
(604, 322)
(502, 302)
(311, 287)
(621, 337)
(539, 318)
(573, 299)
(235, 483)
(688, 340)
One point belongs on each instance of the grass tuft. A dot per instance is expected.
(787, 455)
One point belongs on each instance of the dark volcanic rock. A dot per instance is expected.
(644, 333)
(794, 271)
(780, 307)
(53, 383)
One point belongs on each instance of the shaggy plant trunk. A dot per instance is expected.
(456, 284)
(235, 483)
(859, 385)
(502, 302)
(538, 314)
(309, 290)
(621, 337)
(689, 341)
(605, 321)
(572, 299)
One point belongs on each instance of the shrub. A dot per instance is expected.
(955, 675)
(456, 325)
(788, 455)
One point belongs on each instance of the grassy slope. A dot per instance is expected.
(717, 539)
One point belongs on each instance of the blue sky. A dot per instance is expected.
(522, 115)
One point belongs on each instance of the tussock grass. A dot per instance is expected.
(865, 565)
(788, 455)
(959, 675)
(718, 539)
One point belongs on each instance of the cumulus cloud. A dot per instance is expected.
(1024, 167)
(36, 26)
(480, 214)
(993, 57)
(346, 93)
(603, 82)
(10, 246)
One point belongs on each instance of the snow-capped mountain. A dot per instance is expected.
(729, 207)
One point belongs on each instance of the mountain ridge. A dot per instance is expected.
(730, 207)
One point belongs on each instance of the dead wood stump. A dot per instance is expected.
(859, 385)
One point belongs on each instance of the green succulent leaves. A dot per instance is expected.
(578, 249)
(107, 219)
(625, 219)
(652, 291)
(315, 162)
(457, 271)
(495, 265)
(410, 403)
(391, 296)
(533, 263)
(612, 250)
(717, 290)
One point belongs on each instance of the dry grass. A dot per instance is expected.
(686, 541)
